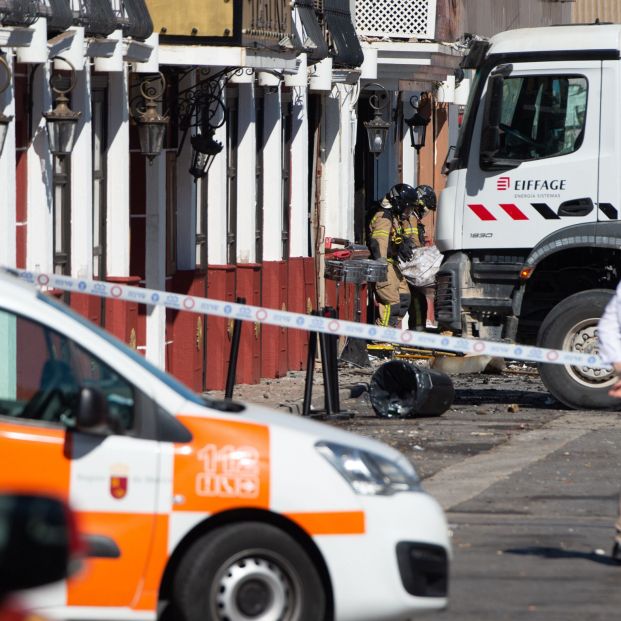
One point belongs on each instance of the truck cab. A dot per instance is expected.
(529, 220)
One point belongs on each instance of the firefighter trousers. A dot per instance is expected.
(393, 298)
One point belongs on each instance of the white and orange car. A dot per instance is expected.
(196, 509)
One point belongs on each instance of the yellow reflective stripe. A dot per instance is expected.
(380, 234)
(386, 317)
(411, 230)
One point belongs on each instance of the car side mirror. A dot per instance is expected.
(92, 412)
(39, 541)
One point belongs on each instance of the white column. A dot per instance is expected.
(338, 146)
(117, 186)
(246, 181)
(7, 174)
(82, 180)
(156, 256)
(186, 201)
(216, 208)
(39, 250)
(272, 177)
(410, 159)
(299, 174)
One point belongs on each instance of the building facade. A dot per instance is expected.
(264, 105)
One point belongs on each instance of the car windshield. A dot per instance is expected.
(164, 377)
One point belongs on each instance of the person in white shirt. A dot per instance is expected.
(609, 335)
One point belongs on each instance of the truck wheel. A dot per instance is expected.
(248, 572)
(572, 325)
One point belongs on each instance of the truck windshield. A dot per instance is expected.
(472, 97)
(167, 379)
(541, 116)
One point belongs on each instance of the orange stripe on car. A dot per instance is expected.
(34, 460)
(330, 522)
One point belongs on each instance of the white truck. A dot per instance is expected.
(529, 220)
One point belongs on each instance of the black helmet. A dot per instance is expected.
(425, 199)
(401, 196)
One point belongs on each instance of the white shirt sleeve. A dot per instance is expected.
(609, 330)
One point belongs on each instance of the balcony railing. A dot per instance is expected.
(396, 19)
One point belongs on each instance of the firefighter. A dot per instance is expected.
(388, 243)
(415, 230)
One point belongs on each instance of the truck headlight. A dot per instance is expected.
(370, 474)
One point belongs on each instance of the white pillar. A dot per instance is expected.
(39, 250)
(246, 176)
(272, 177)
(338, 146)
(82, 180)
(299, 174)
(7, 176)
(216, 208)
(117, 186)
(156, 256)
(186, 201)
(409, 155)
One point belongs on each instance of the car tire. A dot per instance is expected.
(248, 571)
(572, 325)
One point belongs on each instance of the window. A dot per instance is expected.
(42, 373)
(99, 112)
(62, 214)
(231, 174)
(171, 212)
(201, 222)
(542, 116)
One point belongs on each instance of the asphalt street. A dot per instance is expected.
(529, 487)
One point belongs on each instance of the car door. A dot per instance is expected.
(542, 174)
(109, 476)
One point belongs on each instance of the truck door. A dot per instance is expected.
(533, 164)
(109, 479)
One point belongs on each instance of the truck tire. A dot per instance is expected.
(572, 325)
(248, 571)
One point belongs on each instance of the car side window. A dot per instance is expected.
(42, 373)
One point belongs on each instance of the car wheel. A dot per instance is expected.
(572, 326)
(248, 572)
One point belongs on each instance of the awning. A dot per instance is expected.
(97, 17)
(18, 12)
(345, 46)
(136, 20)
(58, 14)
(315, 42)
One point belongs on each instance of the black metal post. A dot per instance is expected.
(326, 372)
(310, 371)
(232, 370)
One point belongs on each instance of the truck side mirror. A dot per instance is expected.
(39, 541)
(490, 136)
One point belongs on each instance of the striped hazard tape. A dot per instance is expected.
(312, 323)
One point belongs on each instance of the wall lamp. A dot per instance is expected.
(417, 125)
(151, 124)
(4, 119)
(201, 108)
(377, 128)
(62, 122)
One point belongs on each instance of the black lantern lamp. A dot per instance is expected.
(4, 119)
(151, 124)
(204, 150)
(417, 124)
(62, 122)
(377, 128)
(202, 109)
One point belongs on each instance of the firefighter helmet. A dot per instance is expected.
(401, 197)
(425, 199)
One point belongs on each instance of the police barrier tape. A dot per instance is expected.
(312, 323)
